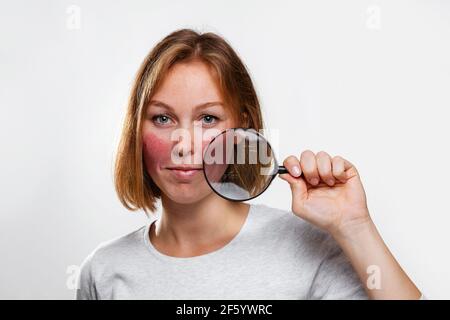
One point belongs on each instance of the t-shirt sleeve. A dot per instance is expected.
(86, 285)
(335, 278)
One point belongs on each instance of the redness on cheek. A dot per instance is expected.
(156, 151)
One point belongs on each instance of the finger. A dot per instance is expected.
(324, 167)
(350, 169)
(292, 164)
(309, 167)
(348, 165)
(298, 187)
(338, 167)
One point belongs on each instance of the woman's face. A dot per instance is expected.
(185, 113)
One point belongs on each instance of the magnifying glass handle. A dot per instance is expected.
(282, 169)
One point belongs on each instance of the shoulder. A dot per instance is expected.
(110, 252)
(316, 251)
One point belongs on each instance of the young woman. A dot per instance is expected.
(203, 246)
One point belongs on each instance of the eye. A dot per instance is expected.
(161, 119)
(209, 119)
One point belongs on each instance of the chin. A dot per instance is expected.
(186, 193)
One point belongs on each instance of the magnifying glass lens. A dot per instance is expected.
(239, 164)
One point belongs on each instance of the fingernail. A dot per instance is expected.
(314, 181)
(296, 171)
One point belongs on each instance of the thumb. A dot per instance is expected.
(298, 186)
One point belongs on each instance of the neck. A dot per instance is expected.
(207, 221)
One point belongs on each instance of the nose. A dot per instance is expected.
(184, 149)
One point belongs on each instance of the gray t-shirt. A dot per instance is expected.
(275, 255)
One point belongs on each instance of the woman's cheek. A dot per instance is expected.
(156, 152)
(205, 144)
(206, 141)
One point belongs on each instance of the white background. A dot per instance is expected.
(367, 80)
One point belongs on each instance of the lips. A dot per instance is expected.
(184, 168)
(184, 172)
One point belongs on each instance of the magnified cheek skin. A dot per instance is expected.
(156, 152)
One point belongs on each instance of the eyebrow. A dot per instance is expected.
(200, 106)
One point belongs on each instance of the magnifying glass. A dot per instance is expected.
(239, 164)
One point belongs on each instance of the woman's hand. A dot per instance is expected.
(326, 191)
(337, 203)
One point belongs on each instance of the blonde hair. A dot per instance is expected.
(135, 188)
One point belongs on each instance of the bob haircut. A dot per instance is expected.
(135, 188)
